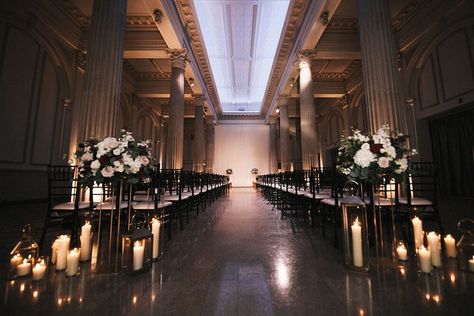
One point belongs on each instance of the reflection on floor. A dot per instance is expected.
(239, 258)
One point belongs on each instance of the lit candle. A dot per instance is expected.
(138, 252)
(471, 264)
(450, 244)
(15, 261)
(23, 268)
(63, 247)
(402, 252)
(357, 243)
(54, 251)
(72, 262)
(86, 241)
(417, 231)
(155, 230)
(39, 271)
(425, 259)
(434, 243)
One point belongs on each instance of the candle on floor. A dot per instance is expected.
(138, 252)
(434, 243)
(357, 243)
(155, 230)
(73, 262)
(425, 259)
(86, 241)
(417, 231)
(63, 248)
(450, 244)
(402, 252)
(471, 264)
(15, 261)
(54, 251)
(23, 268)
(39, 271)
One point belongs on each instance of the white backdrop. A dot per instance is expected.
(242, 147)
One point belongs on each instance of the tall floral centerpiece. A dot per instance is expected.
(113, 159)
(373, 158)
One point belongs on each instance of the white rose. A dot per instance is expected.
(391, 152)
(365, 146)
(383, 162)
(402, 163)
(118, 168)
(117, 151)
(107, 172)
(363, 158)
(111, 142)
(95, 165)
(117, 163)
(87, 157)
(144, 160)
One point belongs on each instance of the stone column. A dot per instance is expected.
(381, 79)
(309, 141)
(285, 149)
(199, 145)
(273, 161)
(103, 76)
(164, 132)
(174, 140)
(210, 147)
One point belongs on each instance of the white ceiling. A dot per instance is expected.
(241, 39)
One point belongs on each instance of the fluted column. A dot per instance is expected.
(381, 79)
(103, 76)
(285, 150)
(174, 140)
(273, 161)
(199, 145)
(210, 147)
(309, 141)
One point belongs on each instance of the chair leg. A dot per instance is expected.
(45, 227)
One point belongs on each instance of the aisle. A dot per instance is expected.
(239, 258)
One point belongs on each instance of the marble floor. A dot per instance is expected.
(239, 258)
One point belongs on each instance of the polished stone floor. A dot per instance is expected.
(239, 258)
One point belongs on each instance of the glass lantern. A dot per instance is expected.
(356, 237)
(137, 247)
(24, 253)
(465, 245)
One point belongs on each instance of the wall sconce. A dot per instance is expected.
(191, 82)
(158, 15)
(278, 110)
(324, 18)
(292, 82)
(410, 102)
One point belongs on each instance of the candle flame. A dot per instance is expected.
(22, 287)
(452, 277)
(35, 294)
(134, 300)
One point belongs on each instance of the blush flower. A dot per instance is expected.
(383, 162)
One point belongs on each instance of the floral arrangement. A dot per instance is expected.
(371, 158)
(114, 159)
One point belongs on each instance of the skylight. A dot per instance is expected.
(241, 39)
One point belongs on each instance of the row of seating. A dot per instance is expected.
(317, 195)
(172, 195)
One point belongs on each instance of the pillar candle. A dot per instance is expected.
(402, 252)
(155, 230)
(39, 271)
(471, 264)
(138, 252)
(23, 268)
(85, 242)
(63, 247)
(425, 259)
(434, 242)
(73, 262)
(357, 243)
(450, 244)
(417, 231)
(54, 251)
(15, 261)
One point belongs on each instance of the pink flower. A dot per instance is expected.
(107, 172)
(383, 162)
(144, 160)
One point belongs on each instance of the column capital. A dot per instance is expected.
(198, 99)
(305, 57)
(283, 99)
(177, 57)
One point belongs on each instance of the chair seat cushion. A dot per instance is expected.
(69, 206)
(150, 205)
(111, 205)
(175, 198)
(380, 201)
(415, 201)
(346, 200)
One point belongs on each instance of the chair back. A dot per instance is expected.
(422, 181)
(62, 184)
